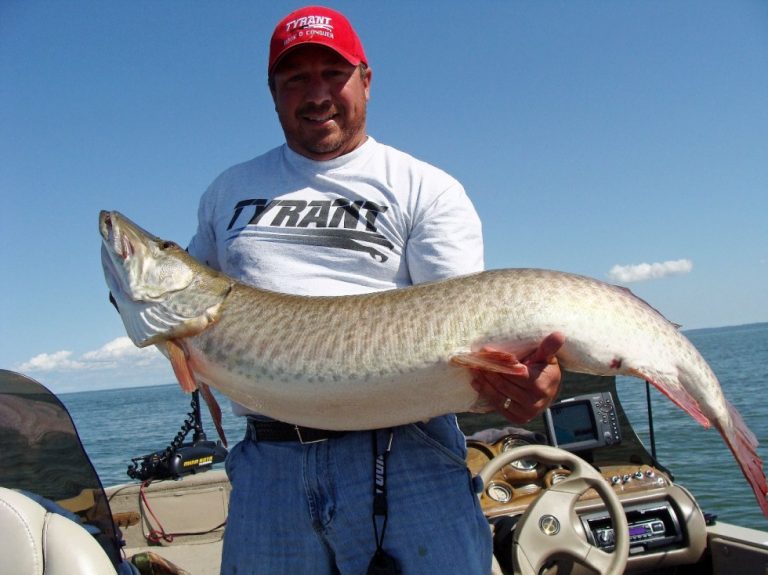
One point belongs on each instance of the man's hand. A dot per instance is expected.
(522, 397)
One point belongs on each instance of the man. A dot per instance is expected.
(334, 212)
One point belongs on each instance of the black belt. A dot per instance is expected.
(259, 430)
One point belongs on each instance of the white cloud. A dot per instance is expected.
(122, 350)
(643, 272)
(59, 360)
(116, 353)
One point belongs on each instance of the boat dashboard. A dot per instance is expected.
(665, 525)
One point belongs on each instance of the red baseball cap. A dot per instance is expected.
(316, 25)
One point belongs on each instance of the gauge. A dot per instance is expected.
(511, 443)
(500, 492)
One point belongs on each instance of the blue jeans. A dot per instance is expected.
(307, 509)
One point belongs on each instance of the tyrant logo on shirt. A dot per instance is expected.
(338, 223)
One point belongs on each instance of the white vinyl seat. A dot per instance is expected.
(34, 541)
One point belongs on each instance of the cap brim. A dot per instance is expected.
(353, 60)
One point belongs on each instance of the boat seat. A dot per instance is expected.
(35, 541)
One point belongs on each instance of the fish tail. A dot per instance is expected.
(743, 443)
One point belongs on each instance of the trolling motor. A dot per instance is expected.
(179, 458)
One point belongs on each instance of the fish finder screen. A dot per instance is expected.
(573, 423)
(583, 422)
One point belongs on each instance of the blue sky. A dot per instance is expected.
(621, 140)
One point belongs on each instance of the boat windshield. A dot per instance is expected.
(44, 458)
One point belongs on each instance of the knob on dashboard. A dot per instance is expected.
(605, 537)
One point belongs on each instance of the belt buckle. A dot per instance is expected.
(307, 442)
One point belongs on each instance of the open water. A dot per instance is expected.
(116, 425)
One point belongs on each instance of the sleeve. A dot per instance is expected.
(446, 238)
(202, 246)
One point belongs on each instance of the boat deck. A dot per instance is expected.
(185, 517)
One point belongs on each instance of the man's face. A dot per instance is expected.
(321, 102)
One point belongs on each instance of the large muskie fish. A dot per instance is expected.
(395, 357)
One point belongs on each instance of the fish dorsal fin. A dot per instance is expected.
(632, 294)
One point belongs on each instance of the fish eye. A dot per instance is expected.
(165, 245)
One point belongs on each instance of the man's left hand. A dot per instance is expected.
(522, 397)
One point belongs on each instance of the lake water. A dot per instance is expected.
(116, 425)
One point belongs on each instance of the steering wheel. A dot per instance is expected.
(548, 528)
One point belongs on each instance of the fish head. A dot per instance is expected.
(160, 290)
(144, 267)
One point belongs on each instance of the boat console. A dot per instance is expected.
(665, 525)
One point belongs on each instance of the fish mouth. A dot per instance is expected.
(106, 227)
(115, 233)
(111, 236)
(112, 254)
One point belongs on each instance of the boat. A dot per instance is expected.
(573, 492)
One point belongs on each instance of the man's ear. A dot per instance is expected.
(367, 77)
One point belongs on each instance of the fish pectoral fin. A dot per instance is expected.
(215, 411)
(188, 383)
(676, 394)
(490, 360)
(180, 365)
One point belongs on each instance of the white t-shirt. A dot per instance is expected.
(370, 220)
(373, 219)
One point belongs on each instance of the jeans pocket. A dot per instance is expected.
(421, 433)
